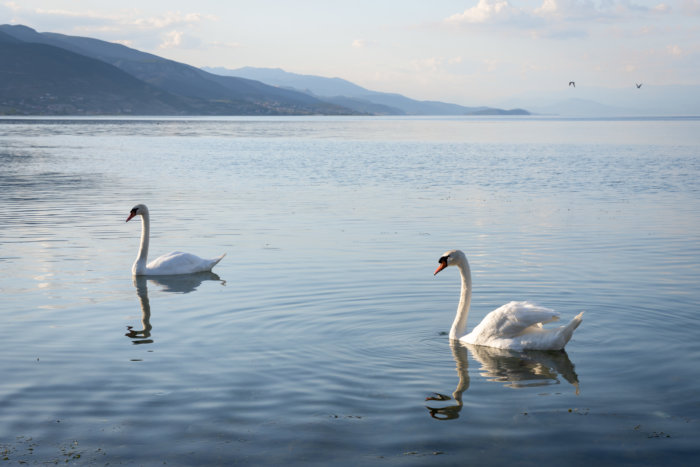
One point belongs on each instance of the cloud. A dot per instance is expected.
(491, 12)
(170, 19)
(122, 18)
(90, 15)
(360, 43)
(661, 8)
(491, 64)
(691, 7)
(486, 11)
(11, 6)
(169, 30)
(172, 39)
(577, 10)
(674, 50)
(559, 19)
(431, 64)
(125, 42)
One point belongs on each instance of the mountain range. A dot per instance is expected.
(57, 74)
(344, 93)
(648, 100)
(48, 73)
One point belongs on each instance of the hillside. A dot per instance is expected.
(347, 94)
(50, 73)
(630, 101)
(189, 90)
(40, 79)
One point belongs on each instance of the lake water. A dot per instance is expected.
(321, 337)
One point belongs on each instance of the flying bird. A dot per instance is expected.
(571, 83)
(638, 85)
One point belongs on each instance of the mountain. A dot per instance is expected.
(582, 101)
(38, 78)
(347, 94)
(50, 73)
(188, 89)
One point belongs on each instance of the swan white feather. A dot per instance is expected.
(515, 325)
(169, 264)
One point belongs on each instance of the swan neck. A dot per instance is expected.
(142, 258)
(459, 325)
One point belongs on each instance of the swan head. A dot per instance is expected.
(450, 258)
(138, 210)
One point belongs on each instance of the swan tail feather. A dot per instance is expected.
(215, 261)
(568, 330)
(576, 321)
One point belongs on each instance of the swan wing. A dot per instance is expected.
(178, 262)
(514, 319)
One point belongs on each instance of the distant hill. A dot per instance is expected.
(50, 73)
(185, 89)
(355, 97)
(630, 101)
(41, 79)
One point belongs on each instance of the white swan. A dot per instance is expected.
(515, 325)
(169, 264)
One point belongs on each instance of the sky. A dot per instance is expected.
(469, 52)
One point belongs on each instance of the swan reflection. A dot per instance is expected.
(525, 368)
(184, 283)
(459, 352)
(516, 369)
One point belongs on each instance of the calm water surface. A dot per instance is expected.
(321, 337)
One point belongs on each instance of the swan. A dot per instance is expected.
(169, 264)
(515, 325)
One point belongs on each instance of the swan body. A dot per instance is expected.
(169, 264)
(515, 325)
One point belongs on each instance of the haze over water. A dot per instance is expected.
(323, 332)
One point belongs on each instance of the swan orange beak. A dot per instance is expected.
(443, 265)
(131, 216)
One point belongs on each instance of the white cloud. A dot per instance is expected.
(674, 50)
(575, 9)
(559, 19)
(12, 6)
(431, 64)
(131, 27)
(125, 42)
(359, 43)
(126, 21)
(169, 19)
(172, 39)
(549, 7)
(485, 11)
(691, 7)
(75, 14)
(661, 8)
(491, 64)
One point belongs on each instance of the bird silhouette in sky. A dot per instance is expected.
(638, 85)
(571, 83)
